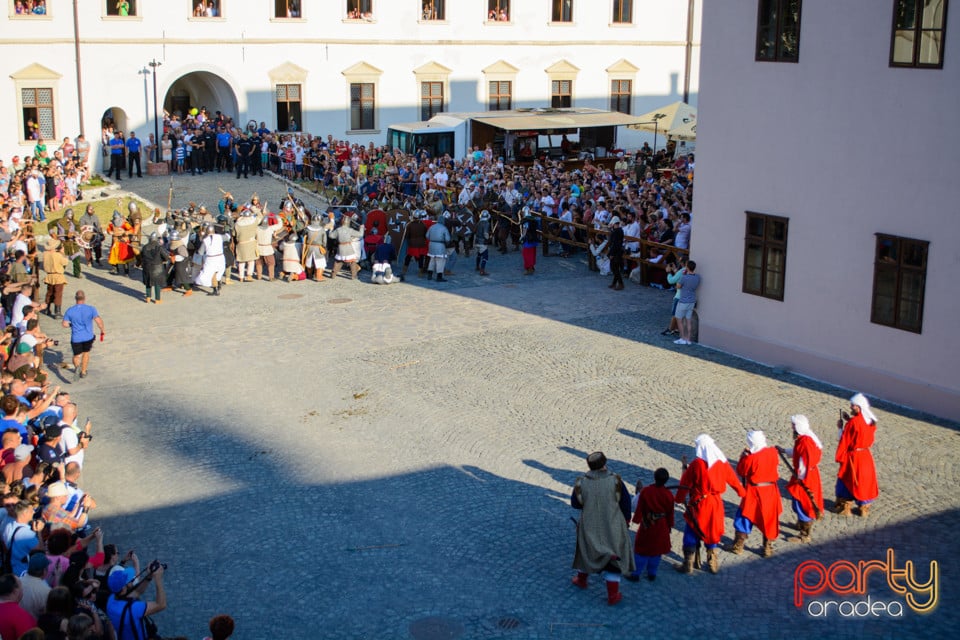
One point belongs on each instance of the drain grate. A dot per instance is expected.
(509, 622)
(435, 628)
(339, 300)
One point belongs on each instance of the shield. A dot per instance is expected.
(88, 237)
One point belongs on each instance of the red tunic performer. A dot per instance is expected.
(857, 478)
(704, 482)
(654, 517)
(761, 505)
(804, 486)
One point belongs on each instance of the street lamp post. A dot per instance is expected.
(156, 116)
(656, 126)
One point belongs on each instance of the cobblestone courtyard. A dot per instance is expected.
(343, 460)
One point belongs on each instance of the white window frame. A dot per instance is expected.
(12, 5)
(37, 77)
(363, 73)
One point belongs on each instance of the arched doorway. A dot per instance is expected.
(113, 119)
(201, 89)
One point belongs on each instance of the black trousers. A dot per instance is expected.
(116, 164)
(134, 160)
(616, 266)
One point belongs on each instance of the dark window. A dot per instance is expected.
(622, 11)
(359, 9)
(121, 7)
(899, 280)
(286, 8)
(500, 95)
(765, 255)
(37, 106)
(498, 10)
(561, 93)
(434, 9)
(561, 11)
(362, 107)
(288, 108)
(919, 29)
(778, 31)
(620, 94)
(431, 99)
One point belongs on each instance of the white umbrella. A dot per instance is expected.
(686, 131)
(666, 118)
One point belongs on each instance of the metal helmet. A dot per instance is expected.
(133, 208)
(446, 215)
(154, 236)
(174, 235)
(484, 215)
(210, 228)
(68, 214)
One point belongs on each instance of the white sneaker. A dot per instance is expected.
(680, 341)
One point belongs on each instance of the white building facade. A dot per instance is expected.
(826, 224)
(343, 67)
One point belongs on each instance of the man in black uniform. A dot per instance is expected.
(615, 253)
(256, 165)
(209, 149)
(243, 148)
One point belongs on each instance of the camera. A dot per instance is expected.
(56, 343)
(155, 566)
(83, 435)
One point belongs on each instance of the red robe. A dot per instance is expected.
(806, 455)
(762, 504)
(857, 471)
(705, 486)
(654, 514)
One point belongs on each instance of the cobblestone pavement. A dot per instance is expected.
(342, 460)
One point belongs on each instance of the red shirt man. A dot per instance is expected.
(761, 505)
(857, 478)
(805, 486)
(703, 482)
(14, 620)
(654, 517)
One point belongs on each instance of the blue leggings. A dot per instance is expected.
(690, 538)
(843, 493)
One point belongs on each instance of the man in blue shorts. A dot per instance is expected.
(689, 283)
(80, 319)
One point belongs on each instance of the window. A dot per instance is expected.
(498, 11)
(561, 93)
(919, 28)
(207, 8)
(37, 106)
(34, 9)
(362, 107)
(899, 280)
(622, 11)
(121, 8)
(289, 116)
(778, 31)
(434, 9)
(286, 8)
(359, 9)
(500, 95)
(431, 99)
(765, 255)
(620, 95)
(562, 11)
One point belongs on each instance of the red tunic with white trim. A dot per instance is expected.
(806, 464)
(857, 471)
(762, 504)
(705, 487)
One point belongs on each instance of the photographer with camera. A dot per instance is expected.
(21, 536)
(129, 614)
(74, 440)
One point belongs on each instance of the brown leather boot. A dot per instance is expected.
(767, 548)
(697, 564)
(687, 566)
(713, 559)
(738, 541)
(864, 510)
(843, 507)
(804, 535)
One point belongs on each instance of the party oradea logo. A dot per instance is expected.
(842, 588)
